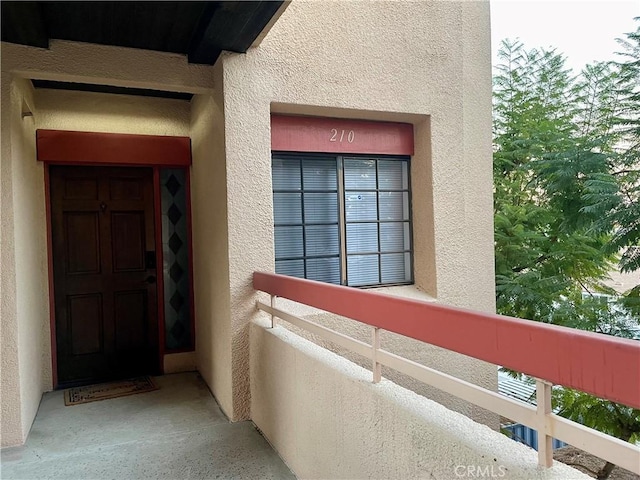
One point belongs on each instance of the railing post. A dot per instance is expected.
(273, 305)
(543, 410)
(375, 344)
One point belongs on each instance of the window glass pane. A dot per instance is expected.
(360, 206)
(293, 268)
(324, 270)
(362, 270)
(396, 267)
(287, 208)
(288, 242)
(362, 237)
(394, 237)
(319, 174)
(286, 174)
(320, 207)
(394, 205)
(359, 174)
(393, 175)
(376, 223)
(322, 240)
(175, 268)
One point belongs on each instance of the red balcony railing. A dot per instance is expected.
(604, 366)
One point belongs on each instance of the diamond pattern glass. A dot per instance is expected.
(177, 295)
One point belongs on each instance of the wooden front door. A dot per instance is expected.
(103, 244)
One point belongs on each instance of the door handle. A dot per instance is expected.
(150, 279)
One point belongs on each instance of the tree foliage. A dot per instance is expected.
(627, 167)
(548, 167)
(567, 202)
(613, 418)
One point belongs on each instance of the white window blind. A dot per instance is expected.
(342, 220)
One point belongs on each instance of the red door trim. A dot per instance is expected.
(190, 251)
(52, 305)
(340, 135)
(91, 148)
(157, 207)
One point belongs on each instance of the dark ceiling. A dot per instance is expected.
(200, 30)
(91, 87)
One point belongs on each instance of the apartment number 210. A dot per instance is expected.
(340, 135)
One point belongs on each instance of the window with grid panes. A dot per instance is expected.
(343, 219)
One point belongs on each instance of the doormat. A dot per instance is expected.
(104, 391)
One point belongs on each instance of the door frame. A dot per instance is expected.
(59, 147)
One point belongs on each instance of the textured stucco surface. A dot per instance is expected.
(32, 297)
(11, 425)
(99, 112)
(327, 419)
(180, 362)
(210, 246)
(26, 353)
(105, 65)
(427, 63)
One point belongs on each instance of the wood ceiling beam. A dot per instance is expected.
(23, 22)
(231, 26)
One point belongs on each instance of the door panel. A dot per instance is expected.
(127, 241)
(129, 306)
(85, 323)
(81, 233)
(81, 188)
(102, 225)
(125, 189)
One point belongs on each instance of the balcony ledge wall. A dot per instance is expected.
(327, 419)
(475, 371)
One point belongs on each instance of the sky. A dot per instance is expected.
(584, 30)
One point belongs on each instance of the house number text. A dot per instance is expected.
(340, 135)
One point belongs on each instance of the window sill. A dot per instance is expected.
(402, 291)
(405, 291)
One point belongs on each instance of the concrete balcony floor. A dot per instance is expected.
(176, 432)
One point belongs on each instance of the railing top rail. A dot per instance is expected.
(605, 366)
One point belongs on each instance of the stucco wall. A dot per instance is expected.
(100, 112)
(210, 246)
(32, 299)
(26, 358)
(180, 362)
(427, 63)
(327, 419)
(11, 425)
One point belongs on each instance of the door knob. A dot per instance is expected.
(150, 279)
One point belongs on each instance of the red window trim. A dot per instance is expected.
(340, 135)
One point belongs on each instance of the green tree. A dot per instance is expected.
(613, 418)
(627, 168)
(550, 244)
(566, 200)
